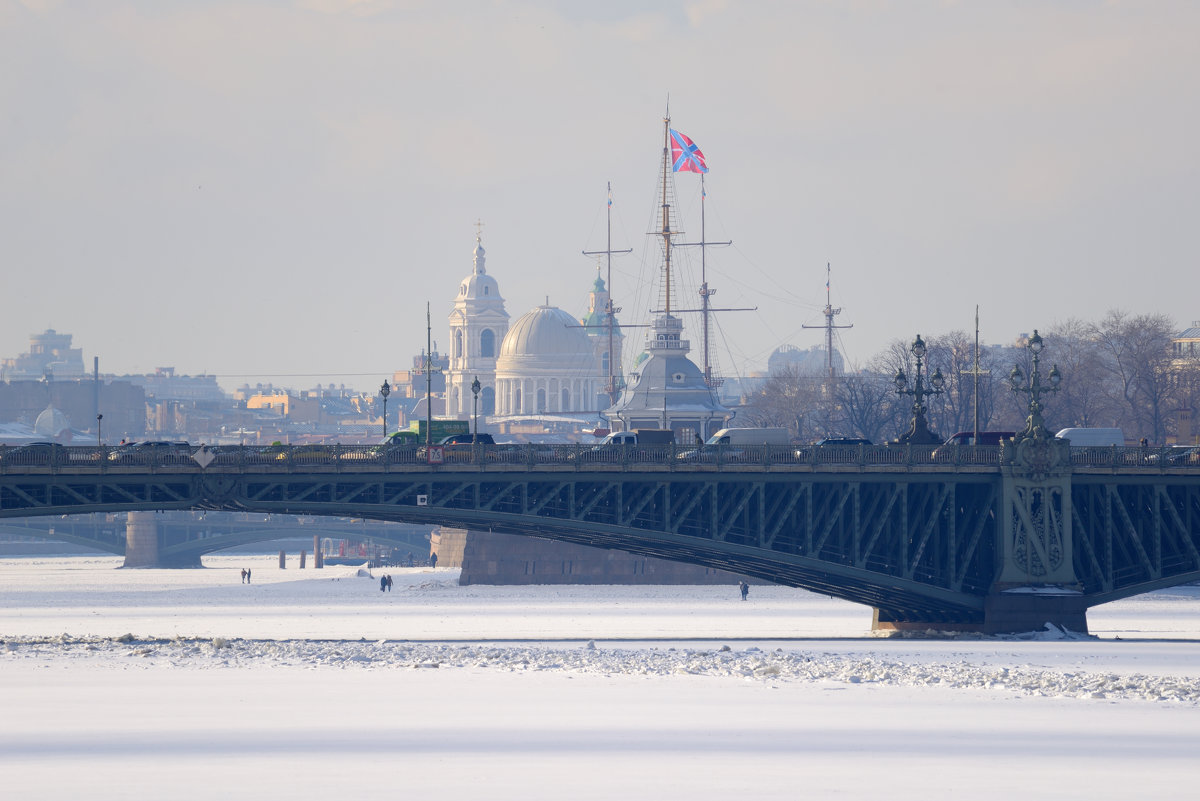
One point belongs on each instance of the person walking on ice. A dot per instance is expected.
(745, 588)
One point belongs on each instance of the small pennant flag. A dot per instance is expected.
(685, 155)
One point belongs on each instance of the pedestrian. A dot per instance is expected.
(382, 583)
(243, 575)
(433, 560)
(247, 575)
(745, 588)
(389, 580)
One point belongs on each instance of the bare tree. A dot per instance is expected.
(1136, 357)
(954, 355)
(787, 399)
(1083, 400)
(870, 405)
(1118, 372)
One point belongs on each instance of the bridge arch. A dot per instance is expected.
(923, 544)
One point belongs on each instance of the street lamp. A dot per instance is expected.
(919, 433)
(1034, 425)
(99, 417)
(385, 390)
(475, 391)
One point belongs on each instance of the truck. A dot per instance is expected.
(1092, 437)
(639, 436)
(637, 444)
(439, 430)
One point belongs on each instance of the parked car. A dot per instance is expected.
(151, 452)
(985, 438)
(836, 441)
(459, 448)
(1176, 455)
(832, 450)
(311, 454)
(468, 439)
(1188, 456)
(35, 453)
(992, 439)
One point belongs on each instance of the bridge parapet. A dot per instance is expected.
(577, 457)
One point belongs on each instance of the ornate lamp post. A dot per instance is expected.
(475, 391)
(919, 433)
(385, 390)
(1034, 425)
(99, 417)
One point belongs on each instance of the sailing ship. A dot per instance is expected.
(667, 390)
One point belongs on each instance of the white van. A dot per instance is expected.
(728, 444)
(750, 436)
(1092, 437)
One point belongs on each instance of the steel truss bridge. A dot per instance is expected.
(978, 538)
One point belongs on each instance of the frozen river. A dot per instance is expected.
(314, 684)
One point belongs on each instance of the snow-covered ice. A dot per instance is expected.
(314, 684)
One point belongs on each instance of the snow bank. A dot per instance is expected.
(751, 664)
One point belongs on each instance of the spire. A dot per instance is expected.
(480, 255)
(610, 310)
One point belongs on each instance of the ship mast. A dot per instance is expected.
(706, 293)
(610, 310)
(428, 379)
(830, 313)
(666, 208)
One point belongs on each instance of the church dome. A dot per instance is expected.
(547, 365)
(546, 331)
(479, 285)
(51, 423)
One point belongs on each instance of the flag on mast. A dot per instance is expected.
(686, 156)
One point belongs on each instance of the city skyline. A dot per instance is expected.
(273, 191)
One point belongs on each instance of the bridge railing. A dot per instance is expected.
(1114, 456)
(580, 456)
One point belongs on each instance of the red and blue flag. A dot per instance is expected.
(685, 155)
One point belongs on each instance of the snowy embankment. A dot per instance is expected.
(752, 664)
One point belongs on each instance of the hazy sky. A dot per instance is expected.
(277, 188)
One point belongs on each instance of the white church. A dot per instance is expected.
(550, 371)
(546, 367)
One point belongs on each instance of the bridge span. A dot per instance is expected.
(969, 538)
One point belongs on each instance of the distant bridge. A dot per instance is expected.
(183, 539)
(981, 538)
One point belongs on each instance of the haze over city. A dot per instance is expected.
(273, 190)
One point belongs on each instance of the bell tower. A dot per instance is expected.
(478, 323)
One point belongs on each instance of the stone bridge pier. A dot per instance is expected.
(144, 547)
